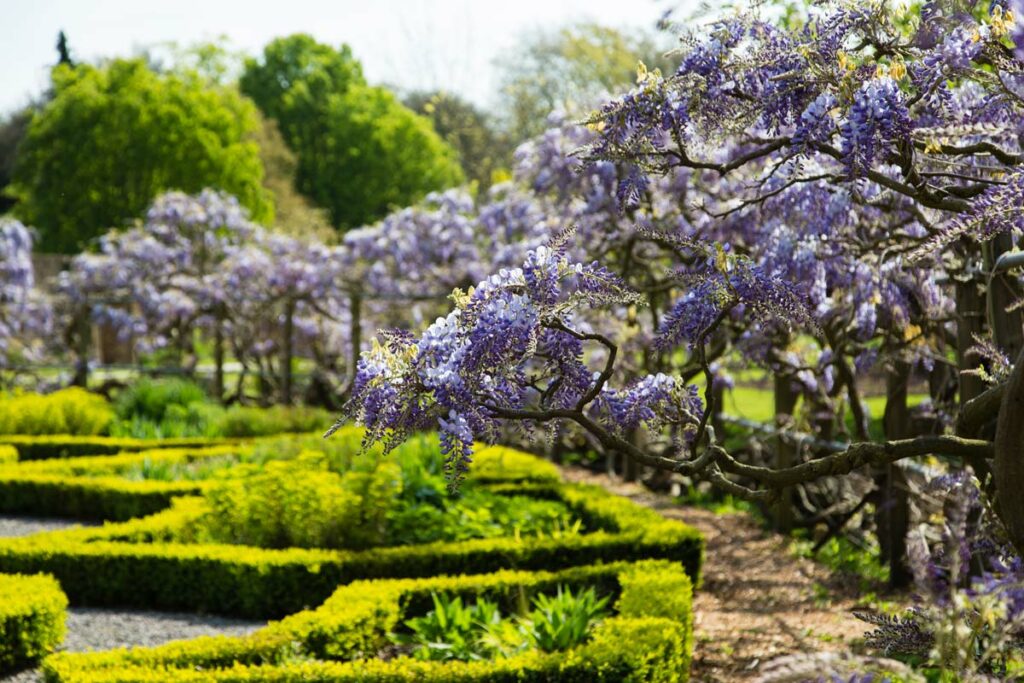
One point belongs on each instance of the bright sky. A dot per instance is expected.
(425, 44)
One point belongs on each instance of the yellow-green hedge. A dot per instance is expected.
(648, 639)
(69, 446)
(130, 564)
(32, 614)
(67, 411)
(8, 454)
(91, 487)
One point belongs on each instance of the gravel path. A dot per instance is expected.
(102, 629)
(11, 526)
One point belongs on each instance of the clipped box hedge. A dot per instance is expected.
(70, 446)
(8, 454)
(649, 638)
(33, 610)
(90, 487)
(131, 564)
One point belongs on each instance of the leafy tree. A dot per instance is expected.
(63, 51)
(294, 214)
(114, 137)
(569, 70)
(359, 150)
(482, 149)
(12, 131)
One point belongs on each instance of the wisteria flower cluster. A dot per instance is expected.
(24, 315)
(507, 346)
(969, 620)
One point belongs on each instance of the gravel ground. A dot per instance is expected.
(11, 526)
(102, 629)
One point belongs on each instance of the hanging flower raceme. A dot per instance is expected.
(503, 337)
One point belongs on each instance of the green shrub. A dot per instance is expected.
(282, 506)
(247, 421)
(68, 411)
(32, 614)
(152, 398)
(8, 454)
(354, 622)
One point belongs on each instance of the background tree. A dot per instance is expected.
(294, 213)
(13, 129)
(360, 152)
(63, 51)
(482, 150)
(121, 134)
(569, 70)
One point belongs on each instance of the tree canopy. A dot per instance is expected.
(569, 70)
(483, 150)
(360, 152)
(114, 137)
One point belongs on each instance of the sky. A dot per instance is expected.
(409, 44)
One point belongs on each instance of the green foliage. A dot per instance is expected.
(120, 135)
(563, 620)
(483, 152)
(245, 421)
(13, 128)
(451, 630)
(457, 631)
(178, 408)
(95, 564)
(281, 506)
(152, 398)
(360, 152)
(68, 411)
(842, 555)
(32, 614)
(352, 625)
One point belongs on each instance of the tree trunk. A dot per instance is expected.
(288, 334)
(355, 333)
(892, 510)
(1009, 456)
(971, 308)
(218, 360)
(82, 336)
(1007, 327)
(785, 450)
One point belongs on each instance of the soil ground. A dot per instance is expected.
(758, 600)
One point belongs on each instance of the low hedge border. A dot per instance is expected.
(89, 487)
(114, 566)
(8, 454)
(650, 637)
(47, 447)
(33, 610)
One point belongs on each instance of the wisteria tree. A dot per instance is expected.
(24, 314)
(853, 178)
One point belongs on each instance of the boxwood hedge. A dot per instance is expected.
(649, 638)
(32, 615)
